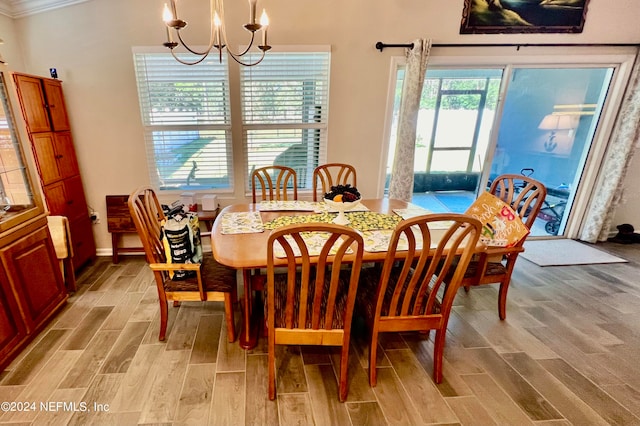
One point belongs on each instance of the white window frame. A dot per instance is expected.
(176, 122)
(287, 125)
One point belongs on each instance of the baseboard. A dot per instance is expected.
(104, 252)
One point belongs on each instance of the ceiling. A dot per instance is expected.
(20, 8)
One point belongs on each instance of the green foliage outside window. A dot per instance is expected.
(460, 101)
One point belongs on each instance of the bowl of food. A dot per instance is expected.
(342, 198)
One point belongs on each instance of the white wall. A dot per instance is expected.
(10, 51)
(90, 45)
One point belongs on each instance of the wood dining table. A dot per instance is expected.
(247, 251)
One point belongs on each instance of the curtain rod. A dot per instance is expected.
(380, 45)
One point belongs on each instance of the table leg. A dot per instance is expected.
(250, 321)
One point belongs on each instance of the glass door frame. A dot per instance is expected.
(621, 59)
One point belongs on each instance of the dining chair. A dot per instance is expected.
(212, 281)
(311, 300)
(274, 183)
(409, 292)
(332, 174)
(495, 265)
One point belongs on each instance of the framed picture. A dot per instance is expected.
(523, 16)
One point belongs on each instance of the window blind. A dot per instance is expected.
(285, 110)
(186, 114)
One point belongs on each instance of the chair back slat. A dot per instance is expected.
(331, 174)
(274, 183)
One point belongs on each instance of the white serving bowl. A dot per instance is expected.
(341, 207)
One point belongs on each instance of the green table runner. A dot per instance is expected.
(362, 221)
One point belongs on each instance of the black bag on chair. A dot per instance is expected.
(181, 240)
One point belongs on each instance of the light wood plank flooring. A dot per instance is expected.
(567, 354)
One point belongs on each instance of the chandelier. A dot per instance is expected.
(218, 39)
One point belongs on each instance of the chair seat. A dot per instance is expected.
(280, 281)
(215, 277)
(493, 268)
(368, 288)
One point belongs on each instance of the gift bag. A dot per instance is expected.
(181, 241)
(501, 225)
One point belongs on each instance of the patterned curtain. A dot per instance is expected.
(624, 142)
(401, 184)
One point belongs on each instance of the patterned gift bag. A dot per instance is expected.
(501, 225)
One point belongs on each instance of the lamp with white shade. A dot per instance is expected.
(555, 122)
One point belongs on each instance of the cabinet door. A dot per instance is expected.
(12, 330)
(84, 246)
(33, 103)
(44, 149)
(55, 100)
(65, 155)
(76, 202)
(66, 198)
(56, 201)
(33, 273)
(55, 156)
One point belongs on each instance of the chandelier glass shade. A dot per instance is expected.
(218, 34)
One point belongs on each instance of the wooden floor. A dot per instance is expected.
(567, 354)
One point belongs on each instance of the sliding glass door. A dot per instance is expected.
(546, 130)
(476, 123)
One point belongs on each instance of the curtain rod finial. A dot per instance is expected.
(379, 46)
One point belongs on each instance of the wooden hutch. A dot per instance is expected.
(31, 285)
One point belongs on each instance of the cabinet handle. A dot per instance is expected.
(59, 156)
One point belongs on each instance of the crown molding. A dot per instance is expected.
(20, 8)
(5, 8)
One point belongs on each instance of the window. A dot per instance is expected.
(187, 121)
(16, 193)
(284, 112)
